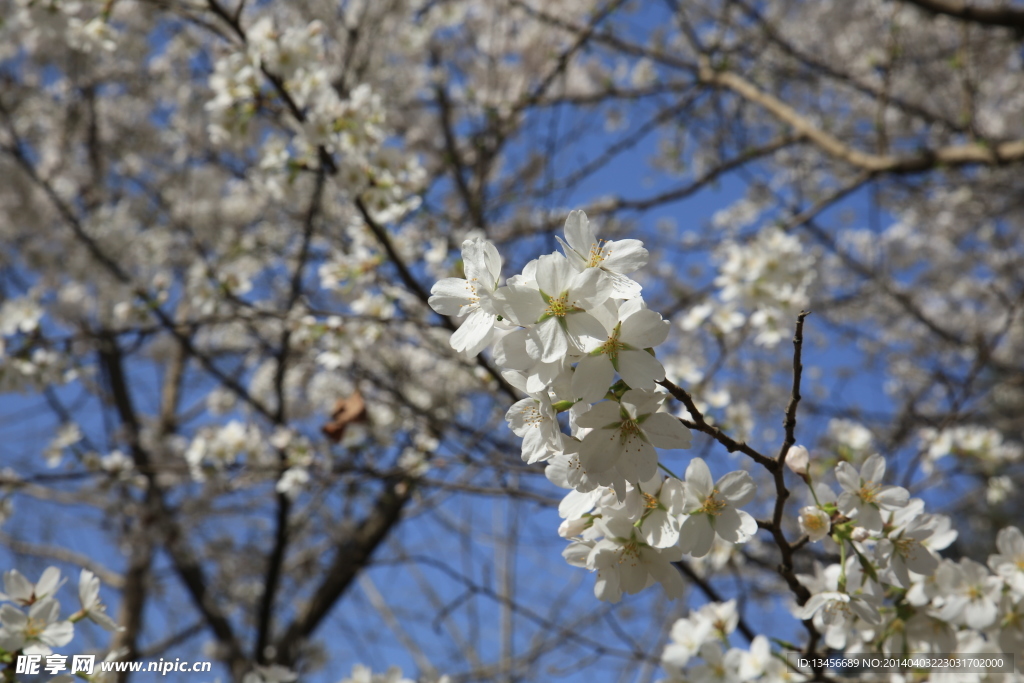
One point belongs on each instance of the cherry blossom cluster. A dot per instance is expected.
(985, 450)
(702, 635)
(347, 125)
(65, 21)
(890, 592)
(763, 282)
(573, 333)
(30, 621)
(23, 365)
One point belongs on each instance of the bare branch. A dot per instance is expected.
(701, 425)
(1009, 17)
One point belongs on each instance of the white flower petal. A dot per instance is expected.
(736, 487)
(847, 477)
(703, 534)
(578, 233)
(639, 369)
(554, 274)
(583, 329)
(666, 431)
(600, 450)
(474, 334)
(600, 415)
(547, 342)
(592, 378)
(873, 469)
(625, 256)
(481, 262)
(450, 295)
(699, 483)
(644, 329)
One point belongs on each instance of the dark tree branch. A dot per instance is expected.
(701, 425)
(1008, 17)
(351, 556)
(275, 562)
(410, 281)
(187, 567)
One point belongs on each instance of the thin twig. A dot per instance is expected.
(701, 425)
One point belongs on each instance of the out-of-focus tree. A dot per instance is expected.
(225, 394)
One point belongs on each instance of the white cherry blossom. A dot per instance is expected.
(625, 564)
(660, 524)
(712, 508)
(909, 546)
(534, 420)
(814, 522)
(968, 593)
(89, 595)
(20, 590)
(35, 632)
(625, 433)
(864, 496)
(1008, 563)
(556, 311)
(686, 638)
(615, 258)
(632, 330)
(472, 296)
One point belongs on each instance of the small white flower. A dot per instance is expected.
(292, 481)
(89, 595)
(968, 593)
(722, 616)
(35, 632)
(910, 545)
(20, 590)
(717, 667)
(615, 258)
(632, 330)
(1009, 562)
(864, 495)
(837, 608)
(534, 420)
(626, 564)
(814, 522)
(686, 638)
(712, 508)
(555, 311)
(660, 526)
(625, 433)
(472, 295)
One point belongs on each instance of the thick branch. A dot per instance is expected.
(188, 568)
(352, 555)
(957, 155)
(1009, 17)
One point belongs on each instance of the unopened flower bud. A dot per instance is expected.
(860, 534)
(573, 527)
(796, 459)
